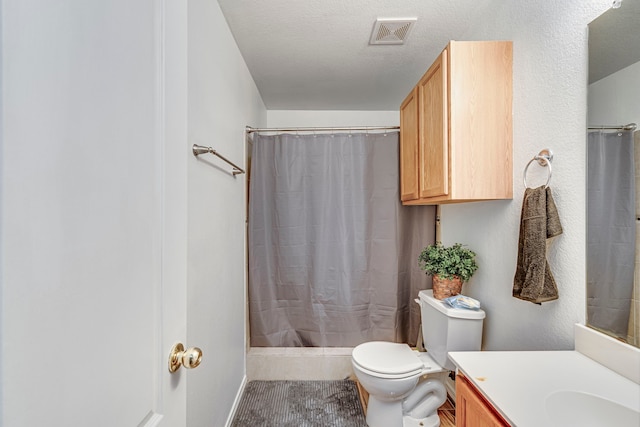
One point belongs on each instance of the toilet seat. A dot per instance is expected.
(387, 360)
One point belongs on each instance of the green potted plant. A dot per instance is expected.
(450, 267)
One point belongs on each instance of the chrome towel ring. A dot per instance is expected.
(544, 158)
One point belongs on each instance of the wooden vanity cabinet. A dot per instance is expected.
(456, 127)
(472, 409)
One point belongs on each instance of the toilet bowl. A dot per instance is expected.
(395, 376)
(390, 373)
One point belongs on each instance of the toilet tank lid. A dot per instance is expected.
(387, 358)
(426, 297)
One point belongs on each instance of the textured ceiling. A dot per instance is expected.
(315, 54)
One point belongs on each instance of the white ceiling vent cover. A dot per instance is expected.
(391, 30)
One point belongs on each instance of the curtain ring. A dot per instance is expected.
(544, 159)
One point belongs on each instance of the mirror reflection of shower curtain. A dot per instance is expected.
(332, 252)
(611, 223)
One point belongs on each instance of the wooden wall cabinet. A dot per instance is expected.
(472, 410)
(456, 127)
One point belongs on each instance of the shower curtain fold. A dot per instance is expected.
(331, 249)
(611, 224)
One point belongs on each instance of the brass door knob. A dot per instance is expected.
(189, 358)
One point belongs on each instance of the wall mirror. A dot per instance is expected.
(613, 173)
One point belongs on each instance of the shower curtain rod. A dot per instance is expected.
(249, 129)
(630, 126)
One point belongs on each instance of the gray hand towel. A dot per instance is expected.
(539, 221)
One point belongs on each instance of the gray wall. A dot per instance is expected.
(549, 110)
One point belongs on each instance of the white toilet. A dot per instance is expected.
(390, 372)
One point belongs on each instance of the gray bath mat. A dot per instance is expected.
(300, 404)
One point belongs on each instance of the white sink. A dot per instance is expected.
(573, 408)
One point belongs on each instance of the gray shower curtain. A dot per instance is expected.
(332, 252)
(611, 230)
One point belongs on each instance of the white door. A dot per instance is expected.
(92, 212)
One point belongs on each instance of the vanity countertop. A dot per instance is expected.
(518, 382)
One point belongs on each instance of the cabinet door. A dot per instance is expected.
(434, 130)
(471, 408)
(409, 147)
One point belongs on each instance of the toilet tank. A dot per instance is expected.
(445, 328)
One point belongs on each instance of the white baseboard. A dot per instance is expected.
(236, 402)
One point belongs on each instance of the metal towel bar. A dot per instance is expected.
(199, 149)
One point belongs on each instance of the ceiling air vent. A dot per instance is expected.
(391, 30)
